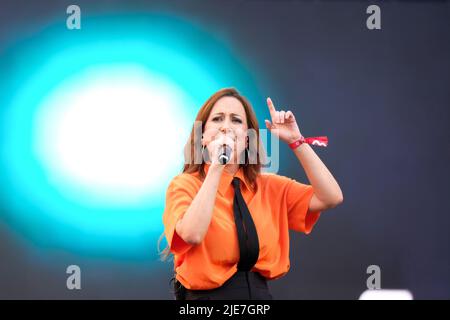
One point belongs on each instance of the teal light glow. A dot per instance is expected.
(93, 123)
(106, 132)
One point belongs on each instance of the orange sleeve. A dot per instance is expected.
(298, 196)
(178, 199)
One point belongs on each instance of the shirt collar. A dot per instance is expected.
(227, 178)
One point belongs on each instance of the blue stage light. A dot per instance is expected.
(93, 123)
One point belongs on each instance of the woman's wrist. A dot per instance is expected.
(294, 138)
(298, 139)
(216, 168)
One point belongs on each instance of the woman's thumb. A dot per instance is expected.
(268, 124)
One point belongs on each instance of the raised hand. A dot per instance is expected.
(283, 124)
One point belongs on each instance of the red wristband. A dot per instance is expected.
(317, 141)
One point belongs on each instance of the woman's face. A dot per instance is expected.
(228, 122)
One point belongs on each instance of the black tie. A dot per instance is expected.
(247, 235)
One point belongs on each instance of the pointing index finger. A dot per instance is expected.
(271, 107)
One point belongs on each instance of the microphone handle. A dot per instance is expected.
(224, 157)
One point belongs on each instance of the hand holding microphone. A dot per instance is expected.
(220, 150)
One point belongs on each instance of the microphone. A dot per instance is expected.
(225, 154)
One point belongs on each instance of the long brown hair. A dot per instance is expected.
(191, 150)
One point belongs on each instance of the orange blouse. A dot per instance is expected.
(279, 204)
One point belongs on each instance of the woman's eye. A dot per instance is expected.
(216, 119)
(237, 120)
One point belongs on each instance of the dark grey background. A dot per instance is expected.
(381, 96)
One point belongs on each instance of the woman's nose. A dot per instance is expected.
(225, 128)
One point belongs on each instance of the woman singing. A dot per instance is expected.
(226, 223)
